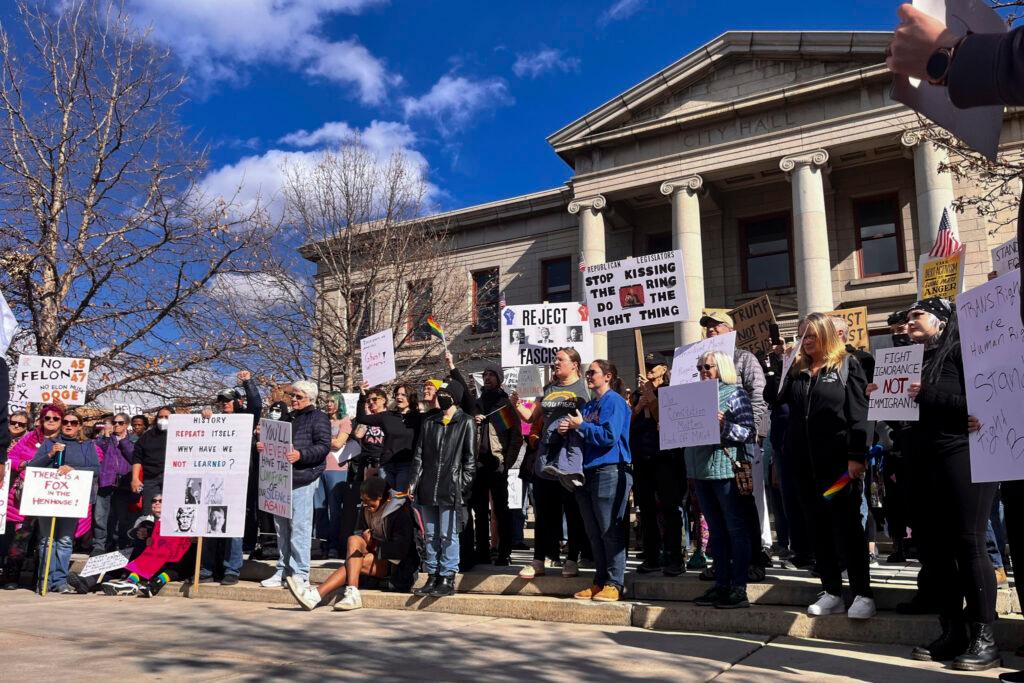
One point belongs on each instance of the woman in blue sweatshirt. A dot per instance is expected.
(604, 429)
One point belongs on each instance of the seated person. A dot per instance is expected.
(383, 548)
(155, 566)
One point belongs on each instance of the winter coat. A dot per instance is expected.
(445, 460)
(311, 437)
(941, 430)
(116, 469)
(398, 545)
(20, 456)
(714, 462)
(80, 455)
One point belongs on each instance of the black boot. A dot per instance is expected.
(428, 586)
(444, 587)
(981, 653)
(951, 643)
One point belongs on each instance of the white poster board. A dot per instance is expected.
(351, 405)
(274, 485)
(109, 562)
(41, 379)
(992, 345)
(5, 488)
(636, 292)
(129, 409)
(49, 494)
(378, 354)
(684, 361)
(531, 335)
(1005, 257)
(526, 381)
(515, 490)
(689, 415)
(896, 368)
(206, 475)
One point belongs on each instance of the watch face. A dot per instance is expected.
(937, 65)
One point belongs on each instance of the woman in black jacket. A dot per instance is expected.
(826, 441)
(953, 511)
(442, 474)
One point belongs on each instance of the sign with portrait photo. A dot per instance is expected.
(636, 292)
(531, 335)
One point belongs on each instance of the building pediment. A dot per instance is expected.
(735, 67)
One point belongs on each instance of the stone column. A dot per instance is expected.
(685, 194)
(591, 226)
(934, 188)
(810, 232)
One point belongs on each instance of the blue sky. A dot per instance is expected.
(469, 89)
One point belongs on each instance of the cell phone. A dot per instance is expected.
(773, 332)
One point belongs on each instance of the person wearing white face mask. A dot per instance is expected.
(148, 460)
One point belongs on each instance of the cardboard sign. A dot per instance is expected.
(684, 362)
(378, 356)
(992, 345)
(636, 292)
(41, 379)
(49, 494)
(531, 335)
(942, 277)
(895, 370)
(206, 475)
(1005, 257)
(857, 324)
(753, 320)
(274, 486)
(689, 415)
(100, 564)
(5, 488)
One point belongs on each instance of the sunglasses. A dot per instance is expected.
(705, 367)
(120, 422)
(18, 423)
(158, 500)
(51, 418)
(71, 422)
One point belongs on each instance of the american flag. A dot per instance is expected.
(946, 243)
(583, 262)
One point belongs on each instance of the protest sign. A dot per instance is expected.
(856, 324)
(689, 415)
(1005, 257)
(515, 490)
(4, 493)
(378, 353)
(50, 494)
(206, 475)
(41, 379)
(636, 292)
(684, 362)
(531, 381)
(753, 324)
(274, 485)
(941, 276)
(129, 409)
(99, 564)
(531, 335)
(895, 370)
(992, 345)
(351, 405)
(8, 325)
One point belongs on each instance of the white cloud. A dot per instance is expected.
(622, 9)
(542, 61)
(454, 100)
(218, 39)
(252, 290)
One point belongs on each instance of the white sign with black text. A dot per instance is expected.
(636, 292)
(689, 415)
(531, 335)
(896, 368)
(684, 362)
(378, 356)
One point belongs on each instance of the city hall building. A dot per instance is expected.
(776, 161)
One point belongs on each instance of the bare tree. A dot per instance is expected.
(108, 246)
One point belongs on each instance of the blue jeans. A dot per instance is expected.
(602, 500)
(333, 484)
(397, 475)
(992, 547)
(441, 537)
(727, 527)
(112, 520)
(232, 549)
(63, 540)
(295, 535)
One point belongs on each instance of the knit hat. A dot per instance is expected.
(897, 318)
(940, 308)
(496, 371)
(453, 389)
(435, 382)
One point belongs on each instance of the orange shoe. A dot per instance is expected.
(608, 594)
(588, 593)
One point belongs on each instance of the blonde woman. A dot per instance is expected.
(826, 440)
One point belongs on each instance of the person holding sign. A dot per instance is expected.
(717, 473)
(827, 442)
(64, 452)
(604, 428)
(952, 511)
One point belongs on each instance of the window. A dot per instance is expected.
(765, 253)
(360, 318)
(878, 236)
(485, 301)
(420, 296)
(659, 242)
(556, 280)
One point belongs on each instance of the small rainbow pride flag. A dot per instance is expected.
(506, 416)
(837, 487)
(435, 327)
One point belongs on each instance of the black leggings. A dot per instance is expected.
(659, 485)
(551, 500)
(838, 536)
(950, 533)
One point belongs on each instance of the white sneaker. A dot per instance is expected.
(862, 608)
(827, 604)
(535, 568)
(351, 601)
(273, 582)
(306, 595)
(570, 569)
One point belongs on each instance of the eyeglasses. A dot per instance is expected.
(158, 500)
(293, 395)
(19, 423)
(120, 422)
(591, 373)
(71, 422)
(705, 367)
(51, 418)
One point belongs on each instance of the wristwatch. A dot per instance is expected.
(939, 63)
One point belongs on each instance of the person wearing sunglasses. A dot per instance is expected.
(69, 450)
(112, 517)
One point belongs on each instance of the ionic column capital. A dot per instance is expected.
(692, 184)
(817, 158)
(596, 203)
(911, 138)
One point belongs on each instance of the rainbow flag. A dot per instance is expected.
(435, 327)
(837, 487)
(506, 416)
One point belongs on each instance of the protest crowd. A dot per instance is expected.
(408, 485)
